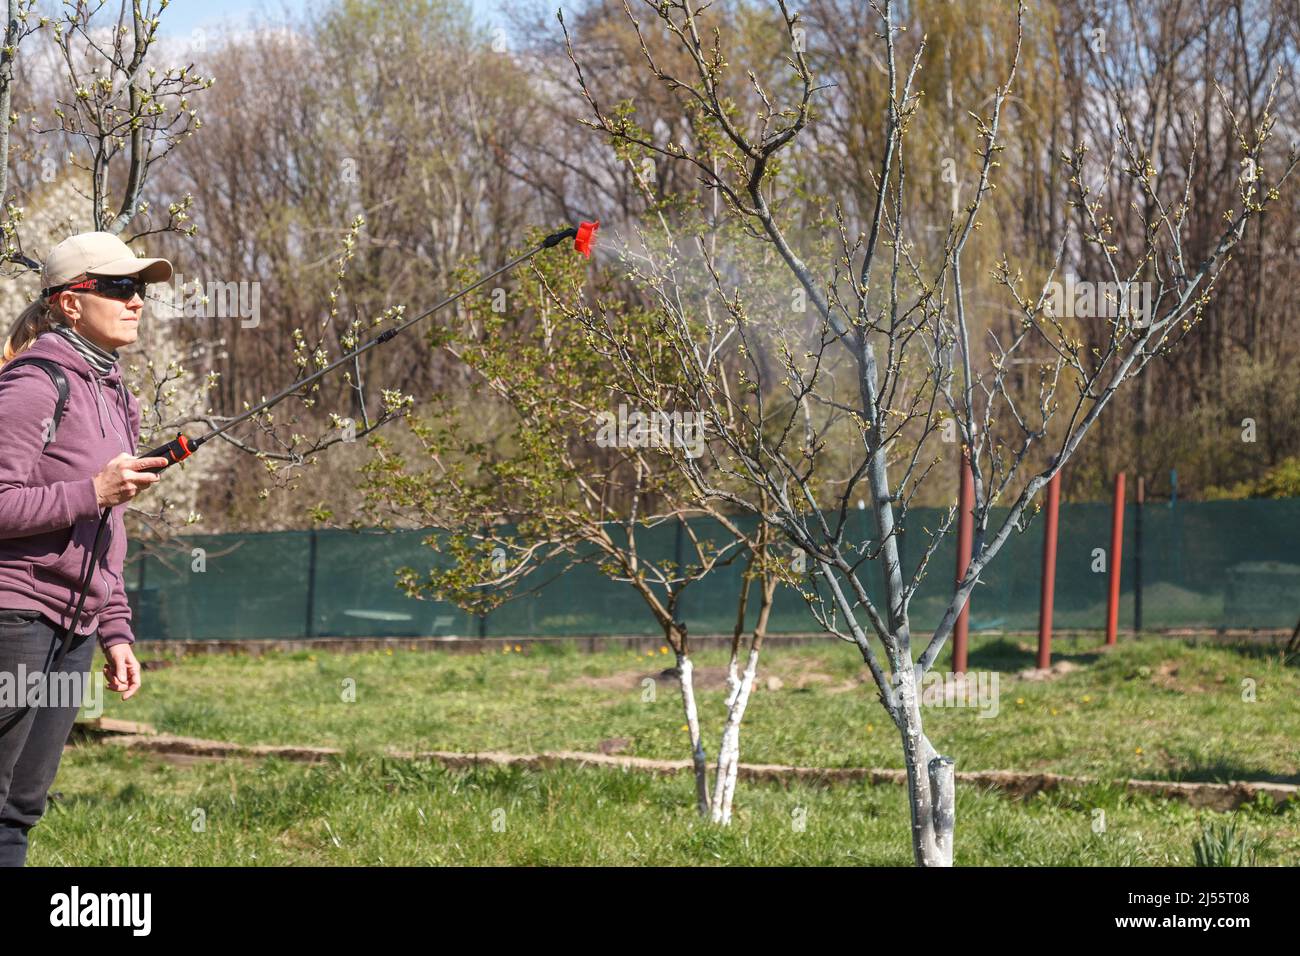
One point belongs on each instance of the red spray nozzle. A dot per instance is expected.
(586, 234)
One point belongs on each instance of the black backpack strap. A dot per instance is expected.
(60, 380)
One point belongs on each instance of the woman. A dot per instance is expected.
(57, 473)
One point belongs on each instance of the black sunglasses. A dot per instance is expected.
(123, 288)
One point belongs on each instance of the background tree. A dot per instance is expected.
(543, 462)
(888, 361)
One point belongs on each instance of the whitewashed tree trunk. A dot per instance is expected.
(930, 781)
(724, 786)
(685, 670)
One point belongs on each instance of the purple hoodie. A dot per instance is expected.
(48, 506)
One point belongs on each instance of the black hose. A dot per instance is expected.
(71, 629)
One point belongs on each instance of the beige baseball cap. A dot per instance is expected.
(100, 254)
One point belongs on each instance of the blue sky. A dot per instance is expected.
(183, 16)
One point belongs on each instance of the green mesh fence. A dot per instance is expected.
(1231, 564)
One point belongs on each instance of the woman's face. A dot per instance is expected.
(109, 323)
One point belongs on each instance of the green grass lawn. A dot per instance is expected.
(122, 809)
(1154, 708)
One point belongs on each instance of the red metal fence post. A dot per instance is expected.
(965, 532)
(1116, 548)
(1048, 593)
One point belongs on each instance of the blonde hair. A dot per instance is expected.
(41, 316)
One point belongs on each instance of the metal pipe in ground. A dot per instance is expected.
(1047, 594)
(1137, 555)
(1116, 554)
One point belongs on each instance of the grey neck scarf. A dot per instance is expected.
(101, 361)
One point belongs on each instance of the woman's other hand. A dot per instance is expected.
(122, 670)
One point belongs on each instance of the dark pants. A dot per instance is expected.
(32, 734)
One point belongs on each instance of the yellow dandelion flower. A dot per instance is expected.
(518, 649)
(1054, 711)
(1087, 699)
(1137, 750)
(1020, 700)
(663, 650)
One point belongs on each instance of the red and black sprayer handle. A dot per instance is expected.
(178, 449)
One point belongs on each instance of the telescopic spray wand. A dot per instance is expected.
(182, 446)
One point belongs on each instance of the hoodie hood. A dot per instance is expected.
(58, 349)
(52, 346)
